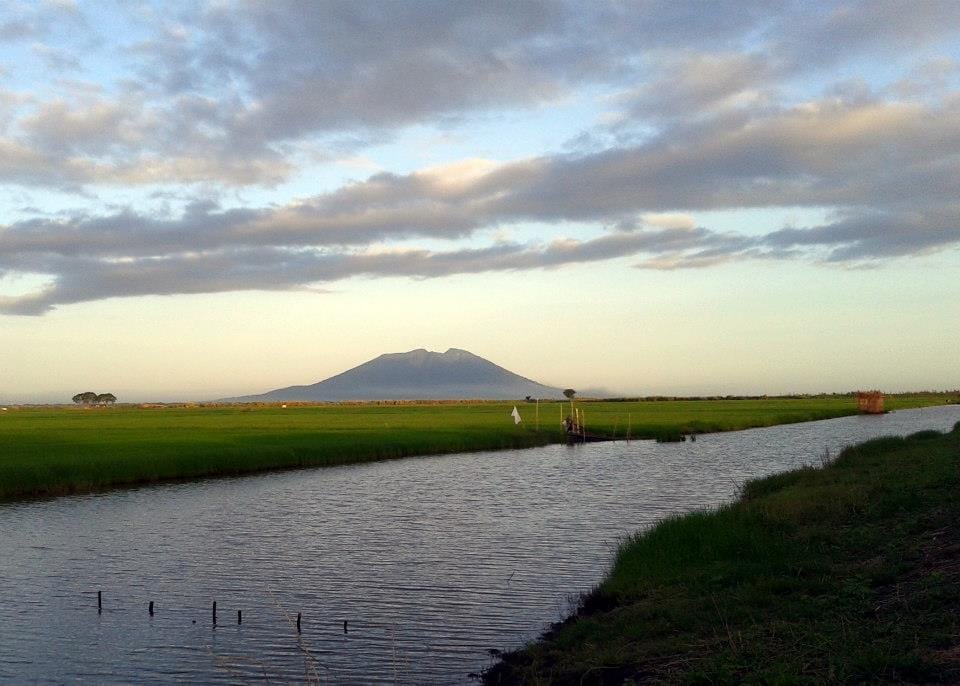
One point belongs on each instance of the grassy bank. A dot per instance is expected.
(71, 450)
(50, 451)
(846, 574)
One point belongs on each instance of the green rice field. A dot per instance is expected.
(48, 451)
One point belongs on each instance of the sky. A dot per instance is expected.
(207, 199)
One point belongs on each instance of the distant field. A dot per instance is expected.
(667, 418)
(52, 451)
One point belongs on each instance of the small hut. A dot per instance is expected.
(870, 402)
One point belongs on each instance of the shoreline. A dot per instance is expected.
(847, 572)
(73, 489)
(52, 452)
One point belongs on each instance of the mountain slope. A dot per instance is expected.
(415, 375)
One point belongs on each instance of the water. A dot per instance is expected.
(432, 561)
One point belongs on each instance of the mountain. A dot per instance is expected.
(415, 375)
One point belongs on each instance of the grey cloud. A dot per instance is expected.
(299, 225)
(92, 139)
(270, 268)
(698, 85)
(30, 20)
(10, 103)
(84, 279)
(331, 68)
(858, 239)
(823, 154)
(246, 88)
(820, 34)
(391, 64)
(56, 59)
(23, 164)
(93, 129)
(80, 277)
(929, 77)
(874, 235)
(28, 165)
(16, 29)
(236, 91)
(787, 44)
(891, 166)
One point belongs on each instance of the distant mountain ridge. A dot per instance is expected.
(416, 375)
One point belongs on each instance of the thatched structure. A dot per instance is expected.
(870, 402)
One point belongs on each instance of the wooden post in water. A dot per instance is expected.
(239, 617)
(99, 602)
(298, 622)
(214, 612)
(150, 610)
(344, 626)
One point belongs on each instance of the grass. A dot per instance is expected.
(844, 574)
(670, 419)
(70, 450)
(54, 451)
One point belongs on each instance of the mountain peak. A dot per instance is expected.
(418, 374)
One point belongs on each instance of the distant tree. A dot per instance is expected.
(78, 398)
(88, 398)
(569, 393)
(106, 399)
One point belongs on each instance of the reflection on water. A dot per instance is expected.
(432, 561)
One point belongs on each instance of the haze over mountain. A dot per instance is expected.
(416, 375)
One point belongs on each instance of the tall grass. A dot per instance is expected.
(72, 450)
(843, 574)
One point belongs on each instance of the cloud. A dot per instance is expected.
(354, 66)
(55, 58)
(16, 29)
(699, 85)
(230, 82)
(820, 34)
(751, 112)
(32, 20)
(875, 235)
(930, 77)
(236, 93)
(890, 165)
(93, 129)
(80, 279)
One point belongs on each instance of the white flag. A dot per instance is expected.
(516, 415)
